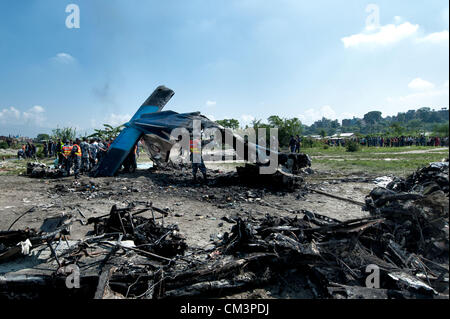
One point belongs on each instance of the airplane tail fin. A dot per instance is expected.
(124, 143)
(159, 97)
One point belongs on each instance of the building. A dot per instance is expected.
(343, 136)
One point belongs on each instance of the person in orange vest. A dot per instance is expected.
(66, 153)
(75, 154)
(196, 158)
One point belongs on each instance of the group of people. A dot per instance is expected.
(400, 141)
(294, 144)
(81, 155)
(27, 150)
(84, 155)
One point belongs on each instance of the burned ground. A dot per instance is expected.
(209, 216)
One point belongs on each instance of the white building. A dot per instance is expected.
(342, 136)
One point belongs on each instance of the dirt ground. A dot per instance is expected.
(200, 210)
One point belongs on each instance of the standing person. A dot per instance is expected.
(66, 155)
(28, 150)
(58, 148)
(102, 149)
(33, 150)
(54, 148)
(137, 149)
(297, 143)
(93, 149)
(50, 148)
(130, 163)
(85, 155)
(45, 149)
(133, 158)
(196, 158)
(59, 153)
(292, 143)
(75, 155)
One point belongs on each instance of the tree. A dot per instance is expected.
(256, 124)
(441, 130)
(414, 126)
(286, 128)
(66, 133)
(42, 137)
(373, 117)
(396, 129)
(323, 133)
(229, 123)
(293, 126)
(108, 133)
(275, 121)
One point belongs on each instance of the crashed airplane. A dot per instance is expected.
(155, 127)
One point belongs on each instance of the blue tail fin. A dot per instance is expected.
(130, 135)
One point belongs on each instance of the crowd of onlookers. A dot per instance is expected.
(82, 154)
(27, 150)
(380, 141)
(294, 143)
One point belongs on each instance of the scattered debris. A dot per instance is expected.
(40, 170)
(129, 255)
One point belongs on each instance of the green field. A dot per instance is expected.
(374, 160)
(399, 161)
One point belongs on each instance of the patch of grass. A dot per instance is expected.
(335, 150)
(404, 166)
(374, 160)
(18, 167)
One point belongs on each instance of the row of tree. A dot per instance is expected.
(413, 122)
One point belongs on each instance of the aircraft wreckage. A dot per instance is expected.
(155, 127)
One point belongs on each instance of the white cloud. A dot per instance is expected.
(117, 119)
(10, 113)
(435, 38)
(419, 84)
(432, 96)
(111, 119)
(34, 116)
(210, 103)
(64, 58)
(384, 35)
(315, 114)
(246, 119)
(393, 33)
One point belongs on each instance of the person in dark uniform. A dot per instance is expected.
(196, 153)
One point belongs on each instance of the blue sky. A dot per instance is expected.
(244, 59)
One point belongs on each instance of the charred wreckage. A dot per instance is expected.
(156, 130)
(401, 250)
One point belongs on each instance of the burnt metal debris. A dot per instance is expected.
(128, 255)
(40, 170)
